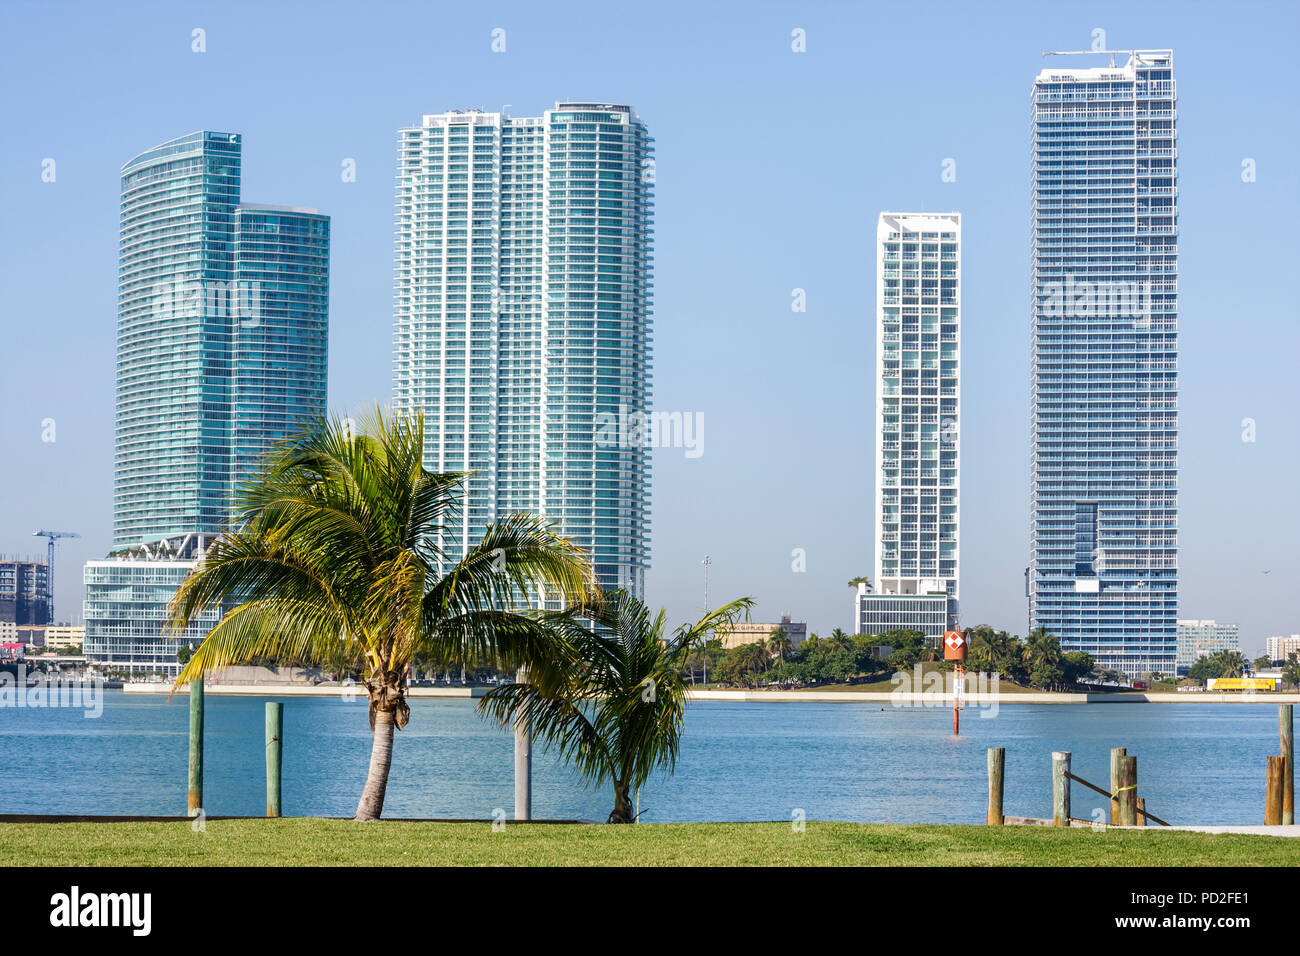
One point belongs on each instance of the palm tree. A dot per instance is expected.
(779, 643)
(754, 660)
(335, 546)
(1042, 657)
(617, 715)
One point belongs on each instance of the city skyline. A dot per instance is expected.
(786, 386)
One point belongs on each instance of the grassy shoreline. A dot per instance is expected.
(302, 841)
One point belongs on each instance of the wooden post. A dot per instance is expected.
(194, 802)
(1141, 811)
(1273, 792)
(523, 763)
(997, 759)
(1115, 754)
(1128, 771)
(1060, 788)
(274, 756)
(1285, 729)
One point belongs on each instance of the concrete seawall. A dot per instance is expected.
(765, 696)
(302, 690)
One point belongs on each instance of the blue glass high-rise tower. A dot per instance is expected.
(1103, 573)
(221, 335)
(522, 319)
(221, 349)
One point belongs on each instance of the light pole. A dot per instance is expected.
(706, 562)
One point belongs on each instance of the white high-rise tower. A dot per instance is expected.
(917, 433)
(522, 319)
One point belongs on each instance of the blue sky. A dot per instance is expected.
(771, 169)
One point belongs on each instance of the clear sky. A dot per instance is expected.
(771, 169)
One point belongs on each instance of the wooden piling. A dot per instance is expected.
(1141, 811)
(997, 760)
(1127, 790)
(1060, 788)
(194, 801)
(274, 756)
(1273, 791)
(1285, 729)
(1115, 754)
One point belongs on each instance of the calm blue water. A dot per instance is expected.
(1197, 763)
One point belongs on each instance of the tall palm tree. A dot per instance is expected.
(617, 715)
(335, 546)
(779, 643)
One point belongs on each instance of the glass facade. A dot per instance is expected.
(126, 608)
(1198, 639)
(522, 314)
(221, 350)
(1103, 573)
(280, 348)
(173, 350)
(927, 613)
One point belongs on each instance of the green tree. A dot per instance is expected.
(1076, 665)
(1291, 670)
(909, 648)
(184, 653)
(1263, 662)
(335, 544)
(617, 713)
(779, 644)
(1043, 659)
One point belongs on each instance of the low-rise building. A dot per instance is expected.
(127, 598)
(1281, 647)
(754, 632)
(1197, 639)
(929, 611)
(58, 637)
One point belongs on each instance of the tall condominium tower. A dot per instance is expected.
(221, 349)
(522, 319)
(1103, 572)
(918, 446)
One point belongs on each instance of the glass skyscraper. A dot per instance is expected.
(522, 319)
(221, 349)
(1103, 573)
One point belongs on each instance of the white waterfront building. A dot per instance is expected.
(522, 319)
(917, 506)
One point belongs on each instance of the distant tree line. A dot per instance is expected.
(858, 658)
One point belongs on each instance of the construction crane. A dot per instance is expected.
(49, 567)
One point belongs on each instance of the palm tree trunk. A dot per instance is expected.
(622, 804)
(381, 758)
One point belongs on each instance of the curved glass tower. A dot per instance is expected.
(173, 347)
(522, 319)
(221, 350)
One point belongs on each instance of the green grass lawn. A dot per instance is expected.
(297, 841)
